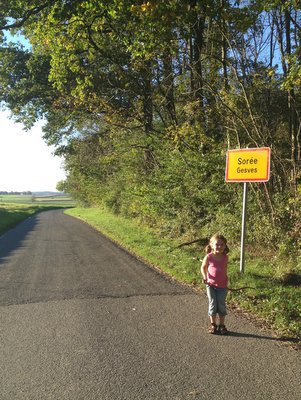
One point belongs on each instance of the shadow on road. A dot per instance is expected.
(15, 237)
(276, 339)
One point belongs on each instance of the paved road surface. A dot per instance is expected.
(82, 319)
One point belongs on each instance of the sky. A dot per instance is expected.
(26, 162)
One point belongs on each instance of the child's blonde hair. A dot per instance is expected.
(217, 236)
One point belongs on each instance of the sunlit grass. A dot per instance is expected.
(142, 242)
(275, 294)
(272, 297)
(15, 212)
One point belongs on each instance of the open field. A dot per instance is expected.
(57, 200)
(16, 208)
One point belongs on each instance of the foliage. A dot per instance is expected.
(143, 99)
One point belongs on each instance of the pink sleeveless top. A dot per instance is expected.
(217, 271)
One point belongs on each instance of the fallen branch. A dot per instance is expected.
(201, 241)
(241, 288)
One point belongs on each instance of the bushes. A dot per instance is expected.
(185, 195)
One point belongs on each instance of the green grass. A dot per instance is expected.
(142, 242)
(275, 299)
(14, 209)
(277, 294)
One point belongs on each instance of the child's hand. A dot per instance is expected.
(205, 281)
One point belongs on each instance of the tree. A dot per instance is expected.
(144, 97)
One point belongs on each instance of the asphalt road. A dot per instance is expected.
(82, 319)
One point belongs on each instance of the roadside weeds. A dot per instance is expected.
(274, 304)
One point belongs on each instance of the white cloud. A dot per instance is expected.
(26, 162)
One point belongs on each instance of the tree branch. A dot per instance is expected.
(27, 14)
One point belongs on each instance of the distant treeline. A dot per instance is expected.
(28, 193)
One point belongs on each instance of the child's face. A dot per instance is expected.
(218, 246)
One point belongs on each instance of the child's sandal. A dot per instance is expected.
(212, 329)
(223, 330)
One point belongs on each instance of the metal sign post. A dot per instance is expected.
(247, 165)
(243, 228)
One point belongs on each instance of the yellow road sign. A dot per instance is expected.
(248, 165)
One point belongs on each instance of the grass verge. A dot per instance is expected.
(275, 299)
(13, 213)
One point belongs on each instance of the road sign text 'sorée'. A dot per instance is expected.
(248, 165)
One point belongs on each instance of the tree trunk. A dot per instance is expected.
(169, 86)
(196, 47)
(224, 47)
(291, 103)
(147, 111)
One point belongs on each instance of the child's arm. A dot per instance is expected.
(204, 269)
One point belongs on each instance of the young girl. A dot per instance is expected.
(214, 273)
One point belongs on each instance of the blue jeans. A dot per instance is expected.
(217, 301)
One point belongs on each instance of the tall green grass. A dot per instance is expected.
(275, 297)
